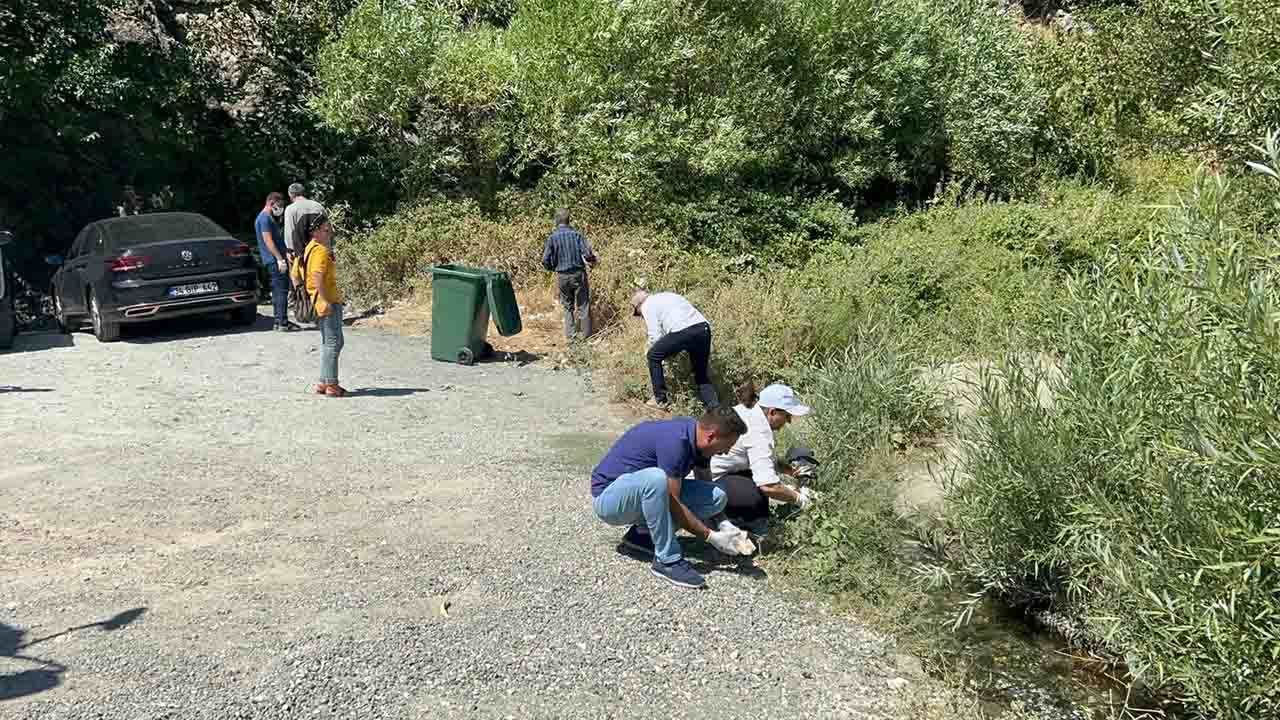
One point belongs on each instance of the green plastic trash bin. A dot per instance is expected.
(462, 299)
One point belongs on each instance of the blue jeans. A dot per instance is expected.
(279, 294)
(641, 497)
(330, 344)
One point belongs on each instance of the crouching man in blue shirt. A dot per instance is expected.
(640, 482)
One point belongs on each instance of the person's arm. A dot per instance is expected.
(764, 469)
(288, 231)
(588, 255)
(681, 514)
(317, 278)
(781, 492)
(548, 255)
(271, 246)
(650, 316)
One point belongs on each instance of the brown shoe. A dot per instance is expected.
(321, 388)
(335, 391)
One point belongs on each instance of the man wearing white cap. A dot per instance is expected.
(748, 473)
(675, 326)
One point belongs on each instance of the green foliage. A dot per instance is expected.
(1143, 497)
(1165, 74)
(735, 125)
(861, 398)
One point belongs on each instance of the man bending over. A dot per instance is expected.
(640, 483)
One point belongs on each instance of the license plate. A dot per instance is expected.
(196, 289)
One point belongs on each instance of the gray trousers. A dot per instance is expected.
(575, 296)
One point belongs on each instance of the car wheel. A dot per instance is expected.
(59, 315)
(102, 329)
(8, 327)
(245, 315)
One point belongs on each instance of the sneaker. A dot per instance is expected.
(321, 388)
(287, 327)
(679, 573)
(638, 541)
(335, 391)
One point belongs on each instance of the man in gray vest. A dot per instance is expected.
(298, 218)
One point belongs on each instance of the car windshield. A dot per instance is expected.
(158, 227)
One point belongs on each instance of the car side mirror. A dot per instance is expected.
(54, 260)
(6, 237)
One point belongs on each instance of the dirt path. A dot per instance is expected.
(276, 554)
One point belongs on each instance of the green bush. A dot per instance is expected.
(1144, 499)
(861, 398)
(1161, 75)
(746, 127)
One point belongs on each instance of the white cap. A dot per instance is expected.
(783, 398)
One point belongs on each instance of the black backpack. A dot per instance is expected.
(304, 308)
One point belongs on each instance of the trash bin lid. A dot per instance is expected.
(503, 307)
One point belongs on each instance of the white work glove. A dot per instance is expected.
(804, 470)
(726, 526)
(805, 498)
(726, 541)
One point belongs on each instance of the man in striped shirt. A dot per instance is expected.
(568, 254)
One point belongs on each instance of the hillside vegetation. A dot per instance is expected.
(854, 192)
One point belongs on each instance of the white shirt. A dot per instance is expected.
(667, 312)
(753, 451)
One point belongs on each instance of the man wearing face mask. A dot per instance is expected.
(271, 249)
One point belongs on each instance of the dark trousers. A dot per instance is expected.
(575, 296)
(695, 340)
(279, 294)
(746, 502)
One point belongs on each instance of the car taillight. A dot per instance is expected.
(238, 250)
(128, 263)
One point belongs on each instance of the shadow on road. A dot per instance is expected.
(519, 357)
(705, 559)
(35, 342)
(17, 389)
(213, 325)
(49, 674)
(385, 392)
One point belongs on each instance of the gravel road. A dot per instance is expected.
(203, 538)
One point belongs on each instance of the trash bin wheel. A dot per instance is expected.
(466, 357)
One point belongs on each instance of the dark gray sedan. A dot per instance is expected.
(154, 266)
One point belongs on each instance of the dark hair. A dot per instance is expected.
(316, 222)
(274, 197)
(746, 393)
(724, 421)
(562, 216)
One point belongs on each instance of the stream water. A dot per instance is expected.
(1007, 660)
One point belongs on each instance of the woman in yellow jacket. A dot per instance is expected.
(322, 286)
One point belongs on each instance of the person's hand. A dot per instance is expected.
(282, 265)
(726, 541)
(804, 470)
(805, 498)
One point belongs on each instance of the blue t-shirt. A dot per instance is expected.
(264, 224)
(667, 444)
